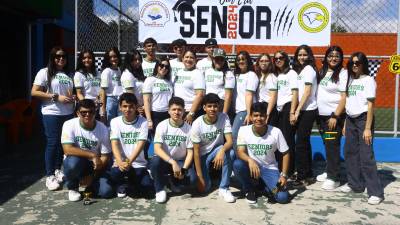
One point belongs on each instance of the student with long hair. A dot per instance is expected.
(111, 87)
(54, 87)
(268, 87)
(246, 92)
(306, 112)
(220, 80)
(359, 129)
(286, 105)
(132, 77)
(86, 78)
(331, 100)
(189, 84)
(157, 91)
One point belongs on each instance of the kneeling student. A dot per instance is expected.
(173, 150)
(207, 134)
(128, 137)
(256, 159)
(87, 149)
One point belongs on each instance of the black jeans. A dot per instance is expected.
(332, 146)
(288, 132)
(158, 117)
(303, 145)
(360, 159)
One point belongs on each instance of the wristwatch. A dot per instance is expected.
(54, 97)
(191, 113)
(284, 175)
(333, 115)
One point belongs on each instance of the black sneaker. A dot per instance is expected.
(298, 184)
(121, 191)
(251, 197)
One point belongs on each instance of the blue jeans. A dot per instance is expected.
(138, 177)
(112, 108)
(237, 123)
(270, 178)
(159, 169)
(53, 154)
(75, 168)
(226, 168)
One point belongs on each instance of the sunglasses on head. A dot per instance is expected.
(161, 65)
(281, 58)
(60, 56)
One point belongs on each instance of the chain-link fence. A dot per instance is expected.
(369, 26)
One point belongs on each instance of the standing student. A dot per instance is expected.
(220, 80)
(359, 129)
(179, 47)
(157, 91)
(150, 47)
(54, 87)
(331, 100)
(286, 105)
(206, 63)
(111, 87)
(128, 137)
(245, 92)
(189, 84)
(306, 112)
(87, 149)
(86, 78)
(132, 77)
(173, 151)
(257, 144)
(212, 142)
(268, 86)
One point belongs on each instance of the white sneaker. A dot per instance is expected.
(226, 195)
(374, 200)
(74, 196)
(322, 177)
(161, 196)
(345, 188)
(52, 183)
(59, 176)
(330, 185)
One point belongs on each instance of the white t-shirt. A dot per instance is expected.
(286, 83)
(308, 76)
(96, 140)
(174, 140)
(360, 91)
(210, 136)
(148, 67)
(160, 91)
(245, 82)
(128, 136)
(270, 84)
(128, 80)
(186, 83)
(204, 64)
(89, 84)
(176, 66)
(61, 84)
(215, 82)
(328, 93)
(262, 148)
(111, 81)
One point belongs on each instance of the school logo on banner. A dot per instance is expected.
(313, 17)
(154, 14)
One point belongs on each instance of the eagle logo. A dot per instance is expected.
(313, 17)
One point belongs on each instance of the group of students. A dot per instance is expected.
(254, 121)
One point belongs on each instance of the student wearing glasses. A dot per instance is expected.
(359, 129)
(132, 77)
(179, 47)
(189, 84)
(87, 149)
(286, 105)
(150, 47)
(111, 87)
(54, 87)
(268, 87)
(331, 100)
(305, 113)
(157, 91)
(86, 78)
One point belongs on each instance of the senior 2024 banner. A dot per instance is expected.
(245, 22)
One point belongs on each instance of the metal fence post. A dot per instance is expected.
(76, 33)
(396, 103)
